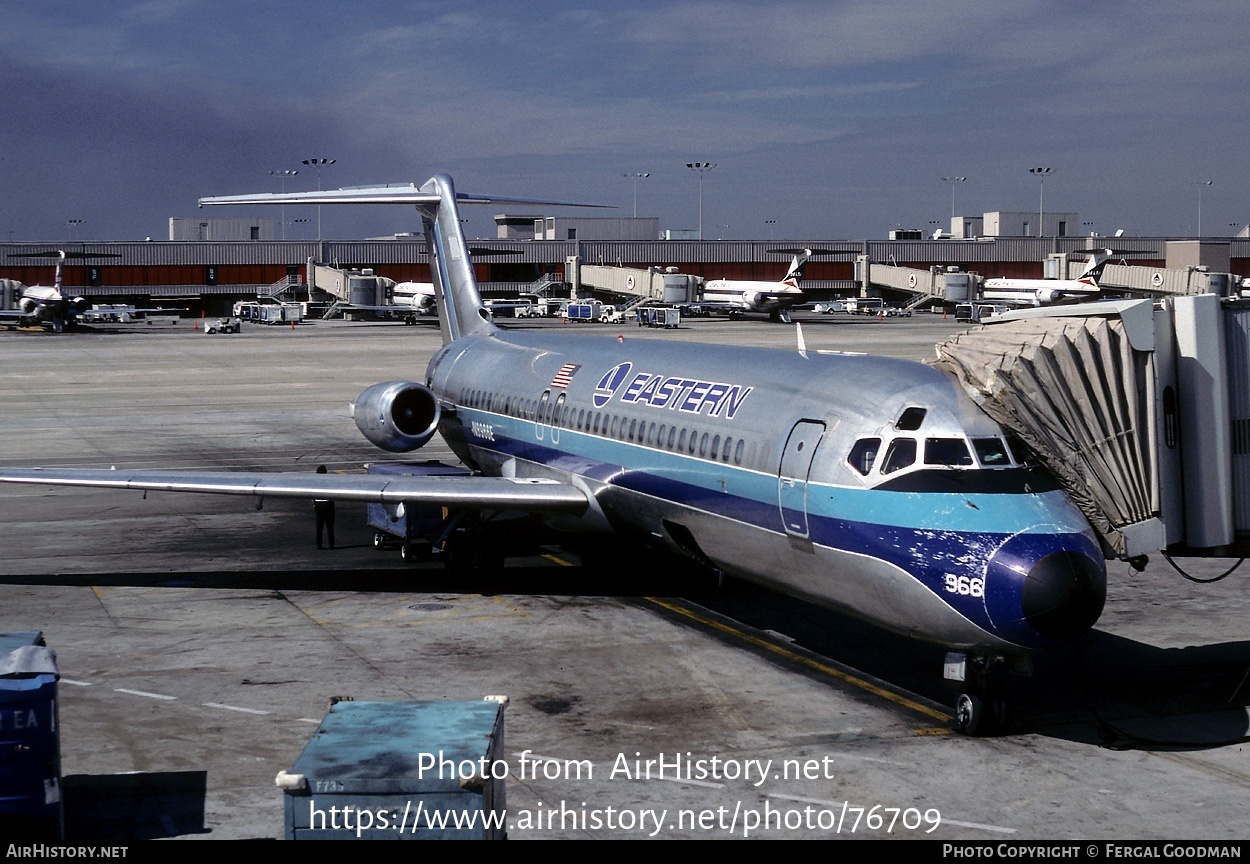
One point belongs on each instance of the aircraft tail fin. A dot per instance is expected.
(460, 309)
(794, 275)
(461, 312)
(1094, 264)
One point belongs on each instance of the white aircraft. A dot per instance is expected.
(417, 296)
(897, 500)
(737, 296)
(45, 305)
(411, 300)
(1043, 292)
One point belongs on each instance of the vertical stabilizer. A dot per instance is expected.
(1094, 264)
(460, 309)
(795, 274)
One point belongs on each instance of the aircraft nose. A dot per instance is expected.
(1063, 594)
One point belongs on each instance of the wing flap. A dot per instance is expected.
(498, 493)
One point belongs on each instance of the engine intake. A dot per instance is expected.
(397, 416)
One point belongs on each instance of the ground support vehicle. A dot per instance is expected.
(414, 529)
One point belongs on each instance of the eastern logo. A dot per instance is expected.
(674, 392)
(610, 383)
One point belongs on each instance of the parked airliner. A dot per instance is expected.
(872, 485)
(46, 305)
(417, 296)
(737, 296)
(1044, 292)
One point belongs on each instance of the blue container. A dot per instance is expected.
(414, 528)
(401, 771)
(30, 749)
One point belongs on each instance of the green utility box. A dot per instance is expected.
(401, 771)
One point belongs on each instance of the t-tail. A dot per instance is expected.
(794, 275)
(461, 312)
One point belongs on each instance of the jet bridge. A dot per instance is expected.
(937, 284)
(661, 285)
(10, 293)
(1141, 408)
(1160, 280)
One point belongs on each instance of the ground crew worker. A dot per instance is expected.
(324, 508)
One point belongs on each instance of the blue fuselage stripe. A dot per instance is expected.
(930, 535)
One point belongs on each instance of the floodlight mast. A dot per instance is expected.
(701, 168)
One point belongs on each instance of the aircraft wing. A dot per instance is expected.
(495, 493)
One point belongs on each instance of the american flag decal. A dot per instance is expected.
(565, 375)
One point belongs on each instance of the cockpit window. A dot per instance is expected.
(863, 454)
(1019, 450)
(946, 451)
(910, 419)
(902, 453)
(991, 452)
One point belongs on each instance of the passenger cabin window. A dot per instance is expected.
(863, 454)
(991, 452)
(946, 451)
(910, 419)
(902, 453)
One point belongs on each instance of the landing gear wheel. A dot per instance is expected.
(379, 540)
(977, 715)
(971, 715)
(466, 553)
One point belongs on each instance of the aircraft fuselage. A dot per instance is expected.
(790, 469)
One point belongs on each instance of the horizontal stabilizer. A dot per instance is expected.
(406, 193)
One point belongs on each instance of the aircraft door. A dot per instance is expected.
(540, 415)
(796, 463)
(547, 418)
(556, 413)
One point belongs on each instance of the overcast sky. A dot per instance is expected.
(836, 119)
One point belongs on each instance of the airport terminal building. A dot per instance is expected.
(208, 276)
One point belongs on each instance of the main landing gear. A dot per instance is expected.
(980, 709)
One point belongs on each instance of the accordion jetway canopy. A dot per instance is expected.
(1127, 404)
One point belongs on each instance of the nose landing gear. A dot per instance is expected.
(979, 709)
(978, 714)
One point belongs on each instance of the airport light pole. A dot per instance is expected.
(701, 168)
(318, 164)
(1201, 184)
(73, 223)
(636, 177)
(771, 223)
(1041, 174)
(282, 175)
(954, 181)
(301, 223)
